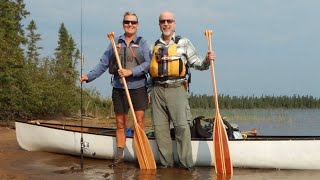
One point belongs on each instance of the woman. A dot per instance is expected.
(135, 58)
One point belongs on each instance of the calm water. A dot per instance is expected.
(272, 122)
(99, 170)
(268, 122)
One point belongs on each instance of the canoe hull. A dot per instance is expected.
(279, 153)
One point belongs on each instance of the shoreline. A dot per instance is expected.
(17, 163)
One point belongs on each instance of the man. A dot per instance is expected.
(135, 58)
(172, 55)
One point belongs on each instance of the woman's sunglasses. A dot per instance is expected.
(128, 22)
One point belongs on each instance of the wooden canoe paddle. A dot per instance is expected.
(253, 132)
(223, 163)
(141, 143)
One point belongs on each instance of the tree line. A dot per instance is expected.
(32, 86)
(252, 102)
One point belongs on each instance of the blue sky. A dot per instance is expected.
(265, 47)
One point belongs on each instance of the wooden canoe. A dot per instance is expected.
(277, 152)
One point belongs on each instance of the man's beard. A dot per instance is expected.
(166, 33)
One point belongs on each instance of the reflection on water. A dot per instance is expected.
(98, 170)
(223, 177)
(53, 166)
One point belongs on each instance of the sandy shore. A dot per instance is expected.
(16, 163)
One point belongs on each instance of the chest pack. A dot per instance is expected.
(130, 57)
(165, 63)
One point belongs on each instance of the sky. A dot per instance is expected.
(265, 47)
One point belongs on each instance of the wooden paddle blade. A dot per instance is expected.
(223, 163)
(143, 150)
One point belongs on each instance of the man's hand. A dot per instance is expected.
(211, 56)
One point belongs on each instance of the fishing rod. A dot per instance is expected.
(81, 98)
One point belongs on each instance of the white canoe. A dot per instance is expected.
(277, 152)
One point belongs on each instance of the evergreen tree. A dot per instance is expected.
(66, 57)
(11, 58)
(38, 81)
(65, 73)
(33, 37)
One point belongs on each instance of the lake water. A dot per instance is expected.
(201, 173)
(272, 122)
(267, 122)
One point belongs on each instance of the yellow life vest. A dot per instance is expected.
(166, 63)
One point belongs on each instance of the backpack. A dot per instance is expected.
(205, 131)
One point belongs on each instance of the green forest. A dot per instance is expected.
(34, 86)
(253, 102)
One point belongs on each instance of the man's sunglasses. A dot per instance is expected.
(163, 21)
(128, 22)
